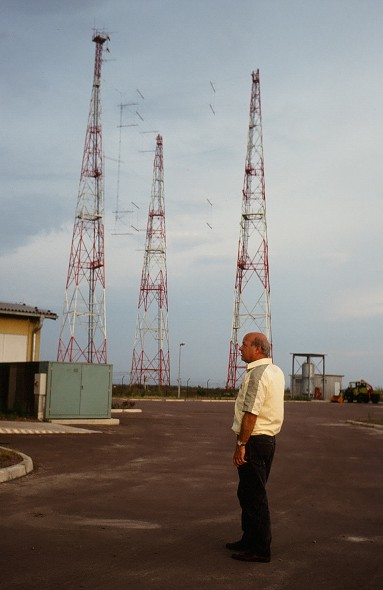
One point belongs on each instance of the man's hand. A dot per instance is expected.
(239, 456)
(247, 427)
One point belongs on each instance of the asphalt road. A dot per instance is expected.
(149, 504)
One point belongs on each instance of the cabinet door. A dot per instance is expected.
(95, 391)
(64, 390)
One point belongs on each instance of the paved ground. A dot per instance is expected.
(149, 504)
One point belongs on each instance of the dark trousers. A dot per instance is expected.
(252, 493)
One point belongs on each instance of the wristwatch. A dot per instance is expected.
(240, 444)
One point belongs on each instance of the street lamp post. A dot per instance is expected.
(179, 369)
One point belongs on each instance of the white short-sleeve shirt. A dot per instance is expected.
(261, 393)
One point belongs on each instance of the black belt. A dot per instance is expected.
(262, 437)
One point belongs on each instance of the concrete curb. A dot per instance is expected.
(365, 424)
(19, 470)
(76, 421)
(126, 411)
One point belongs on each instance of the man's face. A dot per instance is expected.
(249, 353)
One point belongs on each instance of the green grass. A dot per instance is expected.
(152, 391)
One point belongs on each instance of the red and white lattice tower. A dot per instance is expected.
(151, 358)
(83, 331)
(251, 311)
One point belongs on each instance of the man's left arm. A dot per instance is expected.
(247, 427)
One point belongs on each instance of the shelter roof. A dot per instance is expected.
(22, 309)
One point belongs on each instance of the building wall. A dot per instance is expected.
(19, 339)
(332, 385)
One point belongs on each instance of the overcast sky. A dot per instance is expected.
(321, 67)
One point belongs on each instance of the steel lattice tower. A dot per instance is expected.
(251, 311)
(151, 358)
(83, 331)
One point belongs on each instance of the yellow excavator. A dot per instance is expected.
(359, 391)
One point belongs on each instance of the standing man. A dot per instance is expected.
(258, 417)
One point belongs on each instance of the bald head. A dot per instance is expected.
(255, 346)
(258, 339)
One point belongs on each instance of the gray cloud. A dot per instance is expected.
(321, 100)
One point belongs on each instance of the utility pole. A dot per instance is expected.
(151, 358)
(251, 310)
(83, 331)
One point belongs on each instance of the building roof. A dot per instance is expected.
(25, 310)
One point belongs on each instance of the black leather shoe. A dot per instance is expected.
(237, 546)
(250, 556)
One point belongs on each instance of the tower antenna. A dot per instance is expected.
(83, 331)
(151, 357)
(251, 310)
(118, 213)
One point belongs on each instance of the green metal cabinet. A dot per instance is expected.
(78, 390)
